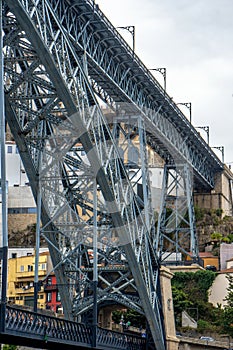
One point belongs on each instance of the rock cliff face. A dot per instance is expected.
(24, 235)
(211, 222)
(22, 228)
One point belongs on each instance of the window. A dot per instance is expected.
(58, 297)
(43, 266)
(49, 281)
(31, 210)
(22, 211)
(9, 149)
(59, 309)
(21, 268)
(30, 268)
(14, 255)
(49, 297)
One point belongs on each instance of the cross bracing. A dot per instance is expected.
(57, 56)
(118, 75)
(53, 114)
(176, 231)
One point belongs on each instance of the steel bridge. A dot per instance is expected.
(61, 57)
(46, 332)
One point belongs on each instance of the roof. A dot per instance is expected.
(207, 255)
(231, 259)
(230, 270)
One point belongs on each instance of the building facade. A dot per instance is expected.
(21, 272)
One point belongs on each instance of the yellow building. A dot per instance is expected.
(208, 260)
(21, 272)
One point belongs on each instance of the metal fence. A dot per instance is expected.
(40, 326)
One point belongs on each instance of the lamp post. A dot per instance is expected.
(189, 106)
(162, 71)
(221, 149)
(131, 30)
(207, 130)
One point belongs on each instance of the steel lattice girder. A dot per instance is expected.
(176, 230)
(119, 76)
(50, 106)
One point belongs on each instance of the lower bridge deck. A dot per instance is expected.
(36, 330)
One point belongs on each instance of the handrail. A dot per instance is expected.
(50, 328)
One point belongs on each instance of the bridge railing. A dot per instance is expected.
(120, 340)
(24, 323)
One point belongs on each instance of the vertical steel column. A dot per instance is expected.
(176, 223)
(193, 236)
(95, 262)
(3, 183)
(144, 168)
(159, 242)
(37, 249)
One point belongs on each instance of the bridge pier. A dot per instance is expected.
(221, 197)
(168, 311)
(105, 318)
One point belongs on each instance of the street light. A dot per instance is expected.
(207, 130)
(189, 106)
(131, 30)
(163, 71)
(221, 149)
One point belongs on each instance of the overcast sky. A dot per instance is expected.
(193, 39)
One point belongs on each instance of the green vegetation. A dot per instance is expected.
(190, 293)
(227, 318)
(9, 347)
(135, 319)
(199, 213)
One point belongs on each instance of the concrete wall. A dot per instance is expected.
(221, 196)
(168, 311)
(226, 253)
(20, 197)
(218, 290)
(15, 172)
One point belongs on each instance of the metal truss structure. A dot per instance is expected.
(59, 56)
(176, 231)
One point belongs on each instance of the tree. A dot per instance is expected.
(229, 297)
(9, 347)
(180, 302)
(190, 293)
(216, 236)
(228, 310)
(135, 319)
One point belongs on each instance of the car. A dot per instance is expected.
(211, 268)
(206, 338)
